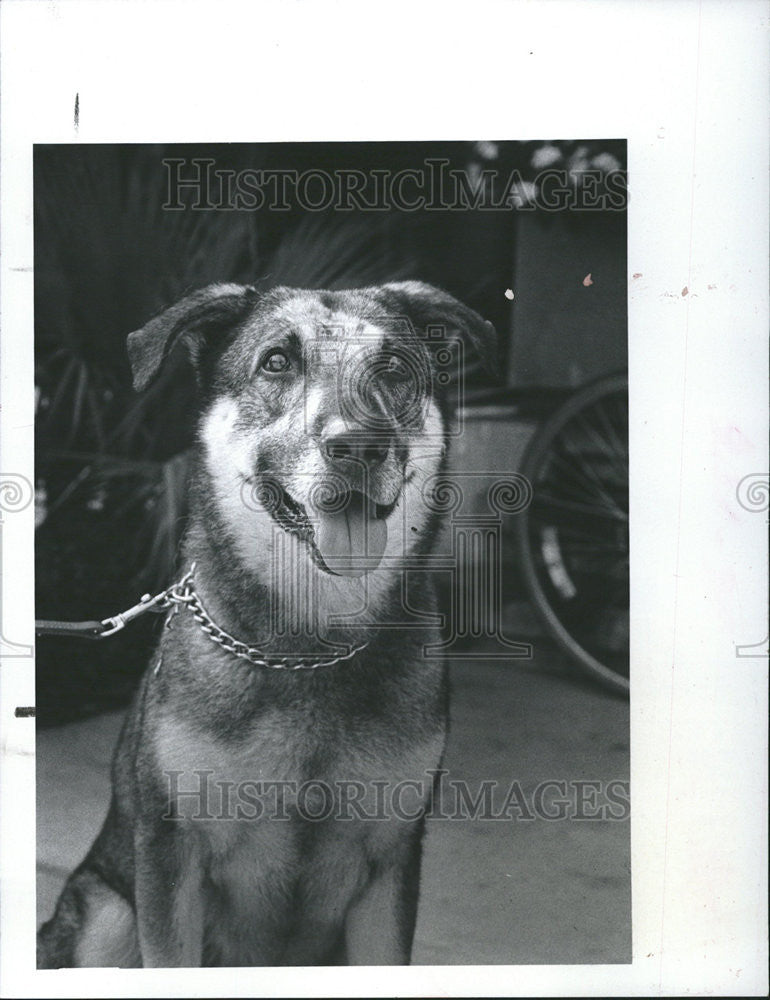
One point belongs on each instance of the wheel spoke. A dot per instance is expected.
(578, 467)
(612, 513)
(620, 447)
(585, 478)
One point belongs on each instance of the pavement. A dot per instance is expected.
(528, 888)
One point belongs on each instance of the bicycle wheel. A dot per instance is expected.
(573, 538)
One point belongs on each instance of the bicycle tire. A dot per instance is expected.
(549, 561)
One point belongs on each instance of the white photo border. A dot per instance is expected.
(685, 82)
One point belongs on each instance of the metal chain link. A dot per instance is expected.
(183, 594)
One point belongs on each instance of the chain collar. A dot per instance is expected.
(184, 595)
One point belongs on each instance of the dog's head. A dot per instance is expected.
(324, 412)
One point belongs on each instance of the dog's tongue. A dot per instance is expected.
(352, 541)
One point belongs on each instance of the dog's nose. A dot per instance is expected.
(354, 446)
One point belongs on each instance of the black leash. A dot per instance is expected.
(160, 603)
(86, 630)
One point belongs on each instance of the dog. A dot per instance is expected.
(253, 820)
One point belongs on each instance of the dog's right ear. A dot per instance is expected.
(195, 318)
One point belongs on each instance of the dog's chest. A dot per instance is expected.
(283, 755)
(287, 821)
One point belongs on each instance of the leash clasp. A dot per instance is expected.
(159, 603)
(172, 597)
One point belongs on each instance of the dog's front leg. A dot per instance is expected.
(379, 927)
(169, 897)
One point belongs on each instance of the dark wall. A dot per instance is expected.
(565, 332)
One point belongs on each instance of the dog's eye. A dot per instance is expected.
(275, 362)
(397, 369)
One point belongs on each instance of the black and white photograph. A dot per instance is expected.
(382, 499)
(354, 419)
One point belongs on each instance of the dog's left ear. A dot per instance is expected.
(425, 305)
(201, 315)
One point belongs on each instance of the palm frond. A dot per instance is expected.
(108, 256)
